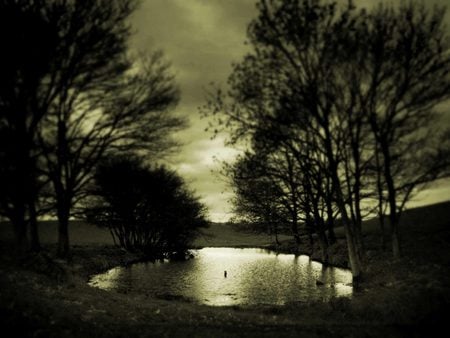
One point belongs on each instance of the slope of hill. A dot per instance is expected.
(404, 298)
(415, 225)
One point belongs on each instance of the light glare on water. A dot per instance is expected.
(254, 276)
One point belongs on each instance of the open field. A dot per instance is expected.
(404, 298)
(81, 233)
(223, 235)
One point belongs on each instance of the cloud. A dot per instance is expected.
(199, 163)
(202, 38)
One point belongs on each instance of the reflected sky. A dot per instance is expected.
(254, 276)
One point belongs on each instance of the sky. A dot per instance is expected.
(201, 39)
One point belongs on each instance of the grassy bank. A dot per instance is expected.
(407, 298)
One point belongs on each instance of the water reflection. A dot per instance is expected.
(254, 276)
(108, 280)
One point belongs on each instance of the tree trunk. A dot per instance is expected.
(331, 234)
(359, 243)
(358, 218)
(350, 233)
(382, 231)
(357, 192)
(355, 260)
(63, 233)
(320, 231)
(311, 242)
(34, 231)
(309, 227)
(323, 247)
(393, 216)
(20, 233)
(294, 215)
(393, 221)
(21, 180)
(330, 222)
(396, 249)
(296, 236)
(276, 238)
(380, 200)
(113, 236)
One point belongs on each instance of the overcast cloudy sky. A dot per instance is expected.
(202, 38)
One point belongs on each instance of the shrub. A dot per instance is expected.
(147, 209)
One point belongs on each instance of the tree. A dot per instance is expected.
(149, 210)
(285, 91)
(71, 92)
(89, 58)
(403, 74)
(131, 114)
(259, 199)
(350, 94)
(30, 40)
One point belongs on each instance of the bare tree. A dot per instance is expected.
(403, 74)
(289, 86)
(349, 93)
(30, 40)
(261, 195)
(128, 115)
(70, 93)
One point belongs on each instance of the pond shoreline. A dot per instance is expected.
(122, 259)
(227, 276)
(406, 297)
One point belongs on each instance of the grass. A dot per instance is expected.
(81, 233)
(224, 235)
(405, 298)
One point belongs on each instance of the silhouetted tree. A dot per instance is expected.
(286, 91)
(259, 199)
(90, 56)
(70, 91)
(29, 35)
(131, 115)
(346, 92)
(148, 210)
(400, 74)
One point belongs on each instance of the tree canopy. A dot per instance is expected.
(350, 95)
(149, 210)
(70, 93)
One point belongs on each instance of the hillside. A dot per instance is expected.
(404, 298)
(415, 224)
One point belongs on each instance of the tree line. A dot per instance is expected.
(71, 95)
(337, 108)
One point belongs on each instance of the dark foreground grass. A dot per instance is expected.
(409, 297)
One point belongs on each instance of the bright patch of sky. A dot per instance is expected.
(202, 38)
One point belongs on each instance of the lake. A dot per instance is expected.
(253, 276)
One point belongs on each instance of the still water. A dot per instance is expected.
(253, 276)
